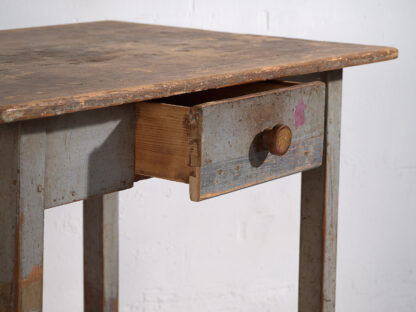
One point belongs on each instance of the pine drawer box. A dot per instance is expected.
(226, 139)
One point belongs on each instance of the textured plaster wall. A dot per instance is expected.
(239, 252)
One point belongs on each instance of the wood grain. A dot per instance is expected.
(319, 212)
(167, 132)
(22, 202)
(162, 141)
(48, 71)
(213, 145)
(276, 140)
(100, 225)
(231, 129)
(236, 174)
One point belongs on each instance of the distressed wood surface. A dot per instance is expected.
(48, 71)
(89, 153)
(49, 162)
(22, 202)
(101, 253)
(230, 134)
(319, 213)
(236, 121)
(166, 141)
(235, 174)
(214, 145)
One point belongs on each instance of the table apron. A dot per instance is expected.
(87, 153)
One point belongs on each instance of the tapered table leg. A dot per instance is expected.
(22, 163)
(101, 253)
(319, 212)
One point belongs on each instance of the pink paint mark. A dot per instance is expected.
(300, 113)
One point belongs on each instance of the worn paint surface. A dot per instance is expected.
(101, 253)
(230, 131)
(240, 173)
(50, 162)
(319, 213)
(300, 113)
(89, 153)
(8, 217)
(193, 137)
(21, 215)
(168, 131)
(48, 71)
(31, 290)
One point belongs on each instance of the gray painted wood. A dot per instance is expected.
(22, 161)
(230, 129)
(89, 153)
(319, 213)
(101, 253)
(242, 172)
(50, 162)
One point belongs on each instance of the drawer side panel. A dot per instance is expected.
(162, 146)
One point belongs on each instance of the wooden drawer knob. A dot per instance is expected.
(277, 140)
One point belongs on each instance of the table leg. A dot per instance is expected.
(22, 163)
(319, 212)
(101, 253)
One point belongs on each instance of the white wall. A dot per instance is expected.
(239, 252)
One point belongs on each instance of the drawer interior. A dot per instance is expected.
(200, 97)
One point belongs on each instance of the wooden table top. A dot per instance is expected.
(47, 71)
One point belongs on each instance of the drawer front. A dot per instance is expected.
(229, 132)
(211, 139)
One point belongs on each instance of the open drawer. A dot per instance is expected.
(226, 139)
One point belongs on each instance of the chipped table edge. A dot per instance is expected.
(95, 100)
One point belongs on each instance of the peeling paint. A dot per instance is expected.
(31, 291)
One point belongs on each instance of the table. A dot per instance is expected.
(72, 99)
